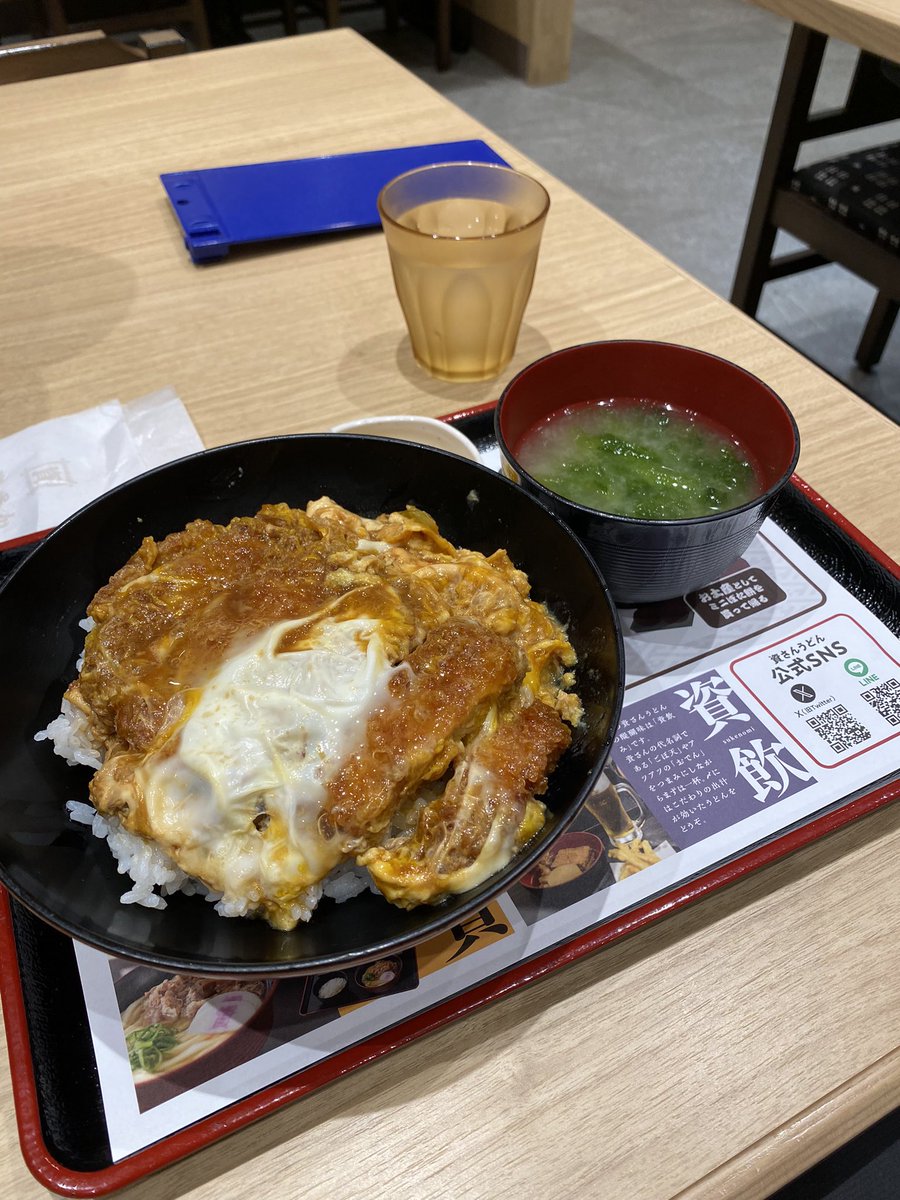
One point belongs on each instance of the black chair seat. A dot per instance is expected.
(862, 189)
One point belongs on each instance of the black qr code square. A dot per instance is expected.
(839, 728)
(885, 699)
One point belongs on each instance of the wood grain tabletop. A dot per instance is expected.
(872, 25)
(714, 1054)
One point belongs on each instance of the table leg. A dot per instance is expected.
(55, 17)
(201, 25)
(442, 18)
(289, 17)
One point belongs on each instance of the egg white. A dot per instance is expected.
(268, 730)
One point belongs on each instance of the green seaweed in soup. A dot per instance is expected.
(639, 458)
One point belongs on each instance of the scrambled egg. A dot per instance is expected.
(297, 690)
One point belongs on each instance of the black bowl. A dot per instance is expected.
(646, 561)
(68, 878)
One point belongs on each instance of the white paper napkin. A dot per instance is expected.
(48, 471)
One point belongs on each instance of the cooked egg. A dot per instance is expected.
(254, 734)
(240, 788)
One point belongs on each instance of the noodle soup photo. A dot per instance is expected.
(182, 1031)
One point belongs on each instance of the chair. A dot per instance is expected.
(845, 210)
(127, 16)
(84, 51)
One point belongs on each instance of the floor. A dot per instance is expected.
(661, 124)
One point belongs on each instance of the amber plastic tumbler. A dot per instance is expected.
(463, 240)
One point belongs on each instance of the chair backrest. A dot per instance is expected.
(80, 52)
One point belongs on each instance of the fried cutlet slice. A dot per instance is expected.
(458, 673)
(486, 811)
(173, 611)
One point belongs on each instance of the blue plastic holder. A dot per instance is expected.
(223, 207)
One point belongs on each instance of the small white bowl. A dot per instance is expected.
(426, 431)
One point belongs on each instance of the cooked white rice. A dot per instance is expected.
(70, 735)
(153, 873)
(148, 866)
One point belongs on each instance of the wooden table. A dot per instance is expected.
(872, 25)
(751, 1033)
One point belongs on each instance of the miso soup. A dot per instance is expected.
(639, 458)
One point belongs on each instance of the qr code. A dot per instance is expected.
(885, 699)
(839, 728)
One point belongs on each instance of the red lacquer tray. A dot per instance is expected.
(59, 1110)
